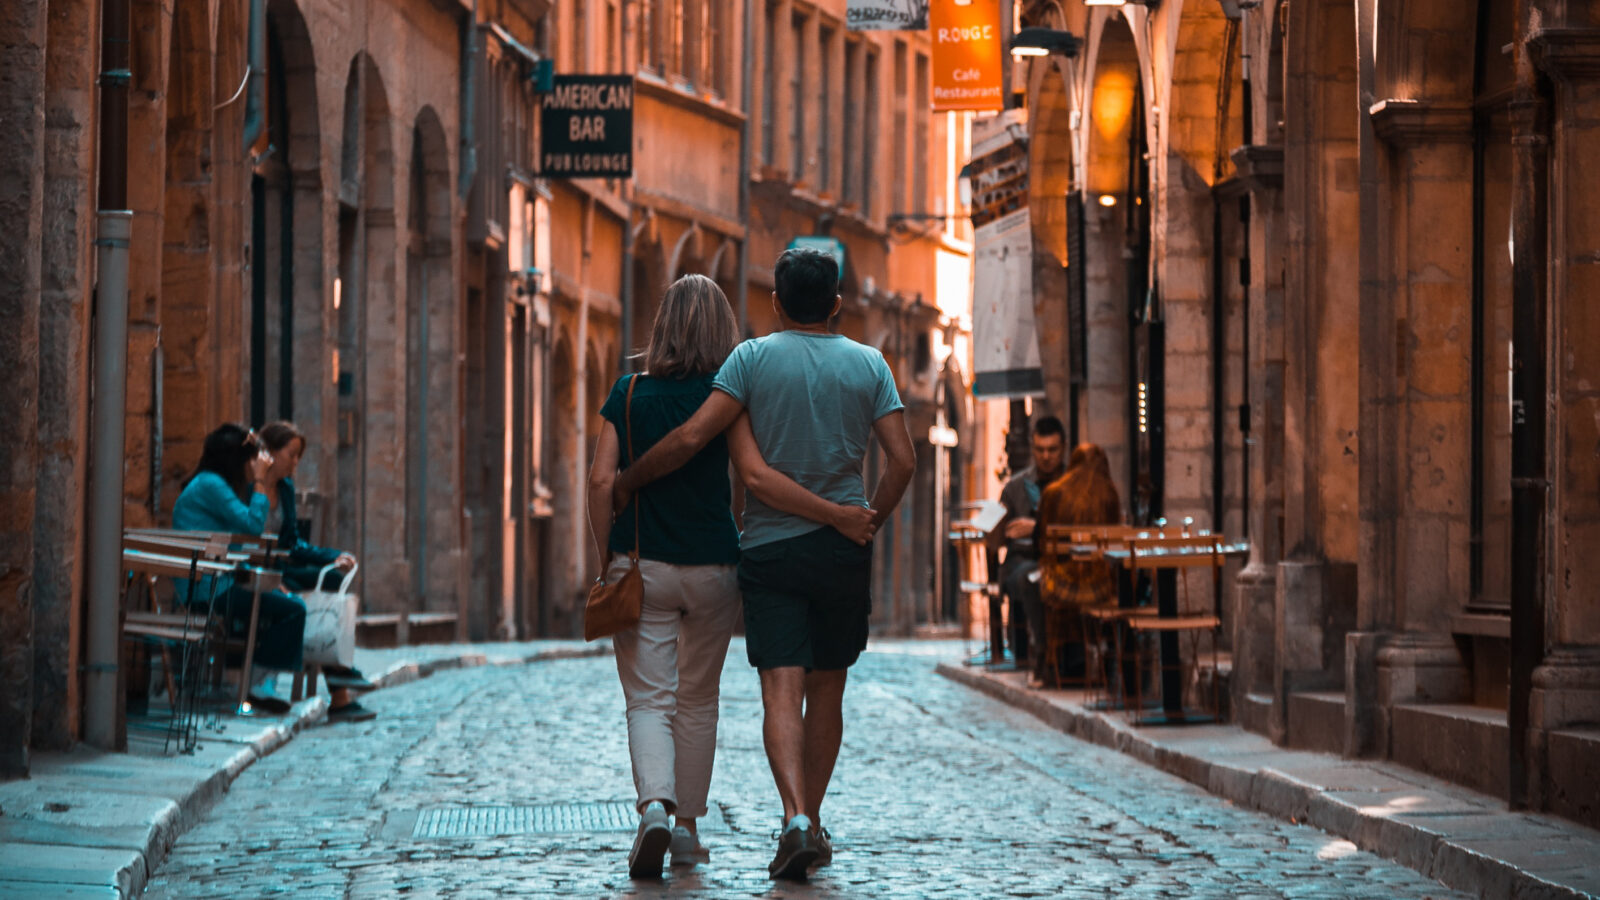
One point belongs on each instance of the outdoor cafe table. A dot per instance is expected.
(1139, 554)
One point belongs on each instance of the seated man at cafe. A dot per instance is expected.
(1015, 532)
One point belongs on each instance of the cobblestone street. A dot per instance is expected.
(940, 792)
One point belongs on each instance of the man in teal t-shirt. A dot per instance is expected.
(814, 400)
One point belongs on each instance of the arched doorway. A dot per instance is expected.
(433, 539)
(371, 385)
(286, 290)
(1116, 253)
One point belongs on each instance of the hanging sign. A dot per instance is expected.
(967, 48)
(1004, 347)
(887, 15)
(586, 127)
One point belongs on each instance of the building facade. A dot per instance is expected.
(337, 218)
(1327, 266)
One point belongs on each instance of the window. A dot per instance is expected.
(920, 102)
(869, 133)
(769, 89)
(825, 109)
(850, 159)
(612, 37)
(898, 147)
(578, 60)
(692, 34)
(797, 100)
(719, 50)
(644, 31)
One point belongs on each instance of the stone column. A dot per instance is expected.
(1314, 599)
(22, 92)
(64, 370)
(1566, 685)
(1256, 585)
(1420, 328)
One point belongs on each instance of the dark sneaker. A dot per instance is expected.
(824, 842)
(350, 679)
(350, 712)
(797, 850)
(266, 704)
(650, 844)
(687, 849)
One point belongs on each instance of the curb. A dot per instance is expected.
(111, 858)
(1270, 791)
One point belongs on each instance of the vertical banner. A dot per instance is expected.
(586, 127)
(967, 48)
(1005, 353)
(887, 15)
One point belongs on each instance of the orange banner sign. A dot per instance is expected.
(967, 48)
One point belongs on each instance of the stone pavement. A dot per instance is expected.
(1465, 839)
(94, 824)
(941, 791)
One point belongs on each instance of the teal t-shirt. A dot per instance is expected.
(687, 518)
(812, 400)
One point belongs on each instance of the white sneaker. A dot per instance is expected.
(650, 844)
(687, 849)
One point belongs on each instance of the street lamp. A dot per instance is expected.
(1036, 41)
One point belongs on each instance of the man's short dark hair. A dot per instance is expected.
(1049, 426)
(807, 284)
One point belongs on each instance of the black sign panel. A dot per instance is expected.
(586, 128)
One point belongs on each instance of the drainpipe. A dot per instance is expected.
(747, 80)
(255, 119)
(102, 725)
(469, 99)
(1530, 483)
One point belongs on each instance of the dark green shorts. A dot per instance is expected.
(806, 601)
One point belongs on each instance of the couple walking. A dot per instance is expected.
(794, 411)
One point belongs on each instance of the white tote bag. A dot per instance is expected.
(330, 638)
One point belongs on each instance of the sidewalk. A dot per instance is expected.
(1468, 841)
(93, 824)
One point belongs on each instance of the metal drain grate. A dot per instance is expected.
(492, 821)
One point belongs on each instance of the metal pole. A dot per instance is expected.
(105, 491)
(114, 229)
(1530, 484)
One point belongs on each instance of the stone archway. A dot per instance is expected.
(433, 530)
(372, 385)
(1116, 244)
(1051, 200)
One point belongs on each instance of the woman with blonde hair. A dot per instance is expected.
(670, 663)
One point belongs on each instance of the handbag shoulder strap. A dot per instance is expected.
(627, 422)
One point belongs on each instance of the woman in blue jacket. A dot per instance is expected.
(229, 493)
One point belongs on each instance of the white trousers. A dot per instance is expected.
(671, 671)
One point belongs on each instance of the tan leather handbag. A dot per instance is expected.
(615, 606)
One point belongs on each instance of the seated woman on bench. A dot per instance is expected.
(229, 493)
(286, 445)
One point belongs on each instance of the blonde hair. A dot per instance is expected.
(694, 330)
